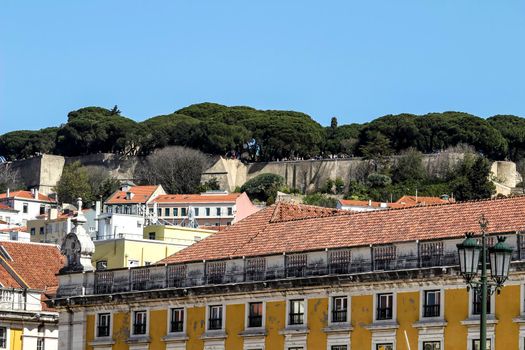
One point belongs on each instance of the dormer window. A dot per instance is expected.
(129, 195)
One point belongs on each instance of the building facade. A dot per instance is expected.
(29, 204)
(298, 277)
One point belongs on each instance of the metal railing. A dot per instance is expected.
(339, 315)
(384, 313)
(431, 310)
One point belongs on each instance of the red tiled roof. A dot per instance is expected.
(4, 207)
(351, 202)
(15, 229)
(35, 263)
(278, 229)
(413, 200)
(141, 194)
(27, 195)
(197, 198)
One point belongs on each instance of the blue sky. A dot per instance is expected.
(356, 60)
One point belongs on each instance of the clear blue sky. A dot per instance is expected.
(356, 60)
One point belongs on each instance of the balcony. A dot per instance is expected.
(431, 310)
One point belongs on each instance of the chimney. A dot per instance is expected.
(8, 192)
(129, 195)
(369, 202)
(34, 192)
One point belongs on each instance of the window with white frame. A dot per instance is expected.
(255, 314)
(476, 302)
(339, 347)
(3, 337)
(296, 312)
(384, 307)
(140, 322)
(432, 303)
(215, 317)
(339, 309)
(432, 345)
(177, 320)
(476, 344)
(103, 325)
(40, 344)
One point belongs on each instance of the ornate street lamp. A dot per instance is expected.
(471, 254)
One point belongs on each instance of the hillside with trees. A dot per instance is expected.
(266, 135)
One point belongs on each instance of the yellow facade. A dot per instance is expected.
(408, 314)
(16, 339)
(175, 234)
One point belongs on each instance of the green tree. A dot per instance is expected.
(471, 179)
(74, 183)
(263, 187)
(409, 167)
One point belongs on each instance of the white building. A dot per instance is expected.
(132, 199)
(113, 225)
(29, 204)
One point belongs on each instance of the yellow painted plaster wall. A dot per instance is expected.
(234, 325)
(317, 320)
(121, 324)
(362, 315)
(110, 250)
(407, 315)
(196, 326)
(90, 330)
(275, 322)
(158, 328)
(507, 308)
(456, 310)
(16, 339)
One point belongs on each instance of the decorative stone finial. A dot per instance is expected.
(78, 246)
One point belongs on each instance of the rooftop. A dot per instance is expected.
(294, 228)
(197, 198)
(27, 195)
(140, 194)
(4, 207)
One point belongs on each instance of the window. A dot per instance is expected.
(40, 344)
(103, 324)
(42, 209)
(41, 230)
(151, 211)
(166, 211)
(255, 269)
(431, 306)
(384, 257)
(215, 271)
(339, 260)
(431, 345)
(196, 211)
(339, 347)
(218, 211)
(175, 212)
(296, 312)
(151, 235)
(159, 211)
(3, 337)
(24, 208)
(339, 309)
(208, 211)
(384, 346)
(296, 265)
(183, 212)
(255, 314)
(384, 307)
(102, 265)
(476, 302)
(230, 211)
(177, 320)
(476, 345)
(32, 231)
(133, 263)
(147, 263)
(139, 322)
(215, 320)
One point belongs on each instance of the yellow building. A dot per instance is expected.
(158, 242)
(304, 278)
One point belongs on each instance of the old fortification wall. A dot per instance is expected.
(44, 171)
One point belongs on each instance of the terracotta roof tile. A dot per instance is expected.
(141, 194)
(4, 207)
(197, 198)
(413, 200)
(27, 195)
(37, 264)
(278, 228)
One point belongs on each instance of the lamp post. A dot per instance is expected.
(470, 253)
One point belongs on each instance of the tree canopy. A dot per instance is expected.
(265, 135)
